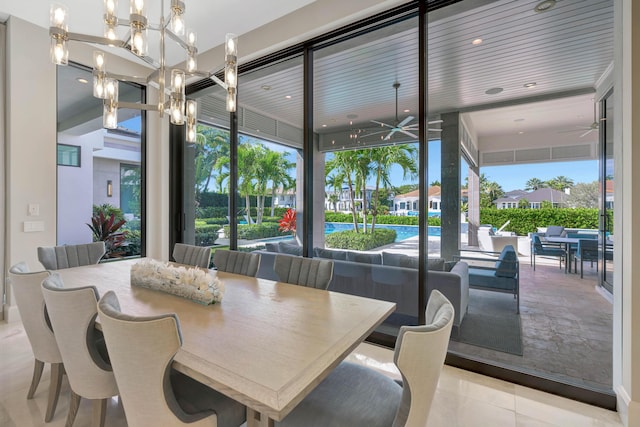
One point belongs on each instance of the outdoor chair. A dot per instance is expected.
(502, 276)
(574, 246)
(245, 263)
(153, 393)
(30, 302)
(355, 395)
(587, 250)
(199, 256)
(547, 250)
(73, 314)
(67, 256)
(313, 273)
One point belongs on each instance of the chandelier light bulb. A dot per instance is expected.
(58, 16)
(191, 133)
(191, 64)
(191, 108)
(137, 7)
(110, 6)
(231, 77)
(177, 24)
(191, 38)
(98, 61)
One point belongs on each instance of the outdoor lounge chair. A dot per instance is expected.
(502, 276)
(540, 249)
(587, 250)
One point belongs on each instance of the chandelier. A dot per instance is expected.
(171, 99)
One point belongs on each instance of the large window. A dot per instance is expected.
(107, 178)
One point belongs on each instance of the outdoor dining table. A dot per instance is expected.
(566, 242)
(266, 345)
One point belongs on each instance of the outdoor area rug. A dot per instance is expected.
(491, 322)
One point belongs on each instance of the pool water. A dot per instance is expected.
(403, 232)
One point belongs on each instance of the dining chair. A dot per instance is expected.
(152, 393)
(66, 256)
(587, 250)
(30, 302)
(310, 272)
(73, 314)
(354, 395)
(199, 256)
(245, 263)
(540, 249)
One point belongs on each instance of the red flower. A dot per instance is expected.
(288, 221)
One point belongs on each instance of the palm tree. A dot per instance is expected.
(211, 144)
(343, 163)
(384, 158)
(534, 184)
(560, 183)
(278, 174)
(334, 181)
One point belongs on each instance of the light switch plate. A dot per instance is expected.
(34, 209)
(32, 226)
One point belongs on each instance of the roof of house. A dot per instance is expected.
(536, 196)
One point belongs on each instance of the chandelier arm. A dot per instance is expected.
(176, 39)
(217, 81)
(137, 106)
(125, 78)
(96, 39)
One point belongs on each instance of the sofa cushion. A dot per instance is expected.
(506, 264)
(272, 247)
(364, 258)
(287, 248)
(484, 278)
(409, 262)
(391, 258)
(435, 264)
(329, 254)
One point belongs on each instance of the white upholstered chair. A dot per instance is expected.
(245, 263)
(28, 295)
(353, 395)
(310, 272)
(73, 314)
(199, 256)
(152, 393)
(67, 256)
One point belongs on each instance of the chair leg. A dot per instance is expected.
(35, 380)
(57, 369)
(581, 268)
(74, 404)
(99, 412)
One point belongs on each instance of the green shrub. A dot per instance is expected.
(381, 219)
(107, 210)
(255, 231)
(212, 212)
(206, 235)
(216, 220)
(359, 241)
(525, 221)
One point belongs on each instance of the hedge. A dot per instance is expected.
(206, 235)
(525, 221)
(381, 219)
(359, 241)
(255, 231)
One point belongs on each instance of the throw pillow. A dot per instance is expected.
(329, 254)
(364, 258)
(392, 259)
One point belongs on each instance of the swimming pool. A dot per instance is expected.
(403, 232)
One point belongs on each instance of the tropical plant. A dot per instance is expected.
(534, 184)
(341, 163)
(560, 183)
(212, 144)
(105, 229)
(288, 222)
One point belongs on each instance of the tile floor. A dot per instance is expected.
(463, 399)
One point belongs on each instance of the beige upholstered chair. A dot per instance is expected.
(353, 395)
(200, 256)
(59, 257)
(73, 314)
(313, 273)
(28, 295)
(152, 393)
(245, 263)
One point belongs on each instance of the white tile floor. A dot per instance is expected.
(463, 398)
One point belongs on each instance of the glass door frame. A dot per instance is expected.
(605, 131)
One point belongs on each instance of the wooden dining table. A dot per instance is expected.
(267, 344)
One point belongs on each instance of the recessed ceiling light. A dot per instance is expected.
(494, 91)
(544, 5)
(265, 87)
(476, 42)
(407, 110)
(324, 126)
(520, 133)
(288, 96)
(82, 80)
(530, 85)
(519, 120)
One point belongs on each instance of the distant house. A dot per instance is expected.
(285, 199)
(344, 201)
(407, 204)
(535, 198)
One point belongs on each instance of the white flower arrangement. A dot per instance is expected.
(192, 283)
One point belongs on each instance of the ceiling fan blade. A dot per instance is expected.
(409, 133)
(433, 122)
(382, 124)
(405, 121)
(388, 137)
(434, 130)
(587, 132)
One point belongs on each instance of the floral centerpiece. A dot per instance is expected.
(192, 283)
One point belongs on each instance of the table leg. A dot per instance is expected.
(256, 419)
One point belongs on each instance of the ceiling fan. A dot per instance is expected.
(403, 126)
(588, 129)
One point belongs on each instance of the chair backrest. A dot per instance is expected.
(507, 263)
(310, 272)
(142, 370)
(554, 230)
(67, 256)
(245, 263)
(28, 295)
(199, 256)
(537, 243)
(419, 355)
(73, 314)
(588, 248)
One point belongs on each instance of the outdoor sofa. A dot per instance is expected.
(386, 276)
